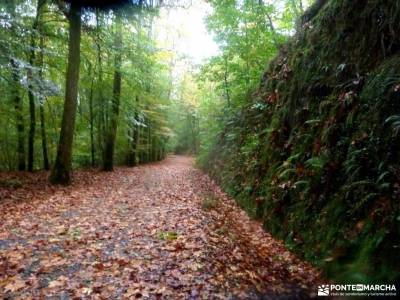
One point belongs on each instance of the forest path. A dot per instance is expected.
(161, 230)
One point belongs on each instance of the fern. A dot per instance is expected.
(312, 122)
(317, 163)
(356, 184)
(286, 173)
(395, 122)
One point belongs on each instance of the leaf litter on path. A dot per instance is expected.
(143, 232)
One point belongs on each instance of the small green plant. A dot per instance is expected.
(10, 183)
(209, 202)
(75, 233)
(394, 121)
(223, 230)
(167, 235)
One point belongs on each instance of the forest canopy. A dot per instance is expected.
(99, 60)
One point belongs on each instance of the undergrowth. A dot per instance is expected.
(318, 155)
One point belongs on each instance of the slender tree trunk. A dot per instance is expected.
(228, 97)
(8, 156)
(149, 141)
(32, 114)
(246, 55)
(143, 140)
(31, 97)
(17, 99)
(136, 133)
(271, 25)
(135, 144)
(101, 119)
(19, 116)
(194, 133)
(91, 117)
(46, 164)
(32, 124)
(133, 157)
(61, 173)
(112, 131)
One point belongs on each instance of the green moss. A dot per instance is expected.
(321, 165)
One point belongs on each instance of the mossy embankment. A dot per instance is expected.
(315, 153)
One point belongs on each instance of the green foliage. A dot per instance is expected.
(394, 121)
(313, 151)
(10, 183)
(167, 235)
(184, 117)
(144, 95)
(210, 202)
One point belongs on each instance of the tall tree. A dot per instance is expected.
(17, 99)
(31, 87)
(61, 173)
(112, 130)
(101, 118)
(46, 164)
(91, 124)
(19, 114)
(134, 134)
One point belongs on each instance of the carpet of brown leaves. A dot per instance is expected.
(145, 232)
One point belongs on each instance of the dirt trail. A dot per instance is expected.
(158, 231)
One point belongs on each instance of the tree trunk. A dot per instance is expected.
(31, 97)
(17, 99)
(91, 117)
(133, 157)
(101, 118)
(32, 126)
(46, 164)
(227, 94)
(61, 173)
(112, 131)
(149, 142)
(135, 141)
(19, 116)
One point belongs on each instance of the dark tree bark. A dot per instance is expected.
(32, 127)
(112, 130)
(91, 120)
(31, 97)
(149, 142)
(15, 92)
(133, 155)
(101, 104)
(19, 116)
(61, 173)
(46, 164)
(144, 153)
(135, 141)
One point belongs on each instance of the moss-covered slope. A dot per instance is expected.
(316, 153)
